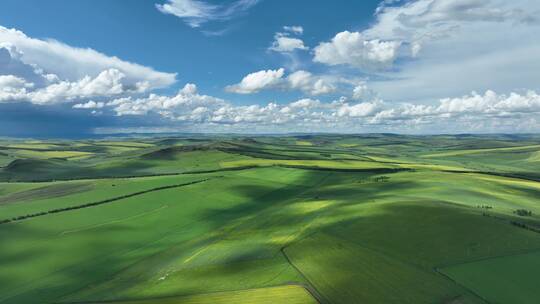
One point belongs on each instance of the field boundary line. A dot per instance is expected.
(497, 174)
(226, 226)
(461, 285)
(310, 287)
(115, 221)
(100, 259)
(98, 203)
(520, 252)
(402, 262)
(88, 178)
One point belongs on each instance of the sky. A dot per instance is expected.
(88, 67)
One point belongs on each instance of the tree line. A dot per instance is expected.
(58, 210)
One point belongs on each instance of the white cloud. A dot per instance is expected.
(108, 83)
(295, 29)
(274, 79)
(353, 49)
(443, 48)
(362, 91)
(71, 63)
(196, 12)
(491, 103)
(449, 47)
(283, 44)
(310, 84)
(473, 112)
(360, 109)
(255, 82)
(13, 88)
(306, 103)
(11, 64)
(48, 72)
(10, 81)
(184, 102)
(493, 107)
(422, 20)
(89, 105)
(458, 46)
(321, 86)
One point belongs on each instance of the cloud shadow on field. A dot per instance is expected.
(248, 237)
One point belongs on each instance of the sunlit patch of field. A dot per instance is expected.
(51, 154)
(310, 206)
(35, 145)
(303, 143)
(5, 159)
(349, 145)
(328, 164)
(119, 149)
(535, 157)
(124, 144)
(435, 167)
(477, 151)
(289, 294)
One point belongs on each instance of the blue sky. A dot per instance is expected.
(71, 68)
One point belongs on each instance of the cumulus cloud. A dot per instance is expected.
(472, 112)
(492, 103)
(257, 81)
(283, 44)
(274, 79)
(12, 82)
(363, 109)
(51, 57)
(11, 64)
(354, 49)
(196, 12)
(190, 106)
(90, 105)
(13, 88)
(310, 84)
(49, 72)
(108, 83)
(361, 91)
(183, 103)
(474, 107)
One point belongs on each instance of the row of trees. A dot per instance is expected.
(523, 212)
(525, 226)
(378, 179)
(31, 215)
(484, 207)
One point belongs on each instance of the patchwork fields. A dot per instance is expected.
(376, 218)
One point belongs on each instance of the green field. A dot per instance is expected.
(508, 279)
(375, 218)
(280, 294)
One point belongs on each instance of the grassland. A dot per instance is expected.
(281, 294)
(376, 218)
(508, 279)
